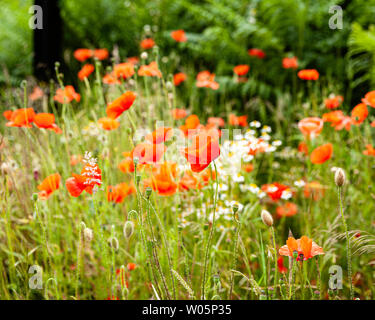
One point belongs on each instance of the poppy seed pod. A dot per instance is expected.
(340, 177)
(128, 229)
(267, 218)
(88, 235)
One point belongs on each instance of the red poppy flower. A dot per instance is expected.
(179, 35)
(119, 192)
(275, 190)
(162, 181)
(338, 120)
(8, 114)
(304, 247)
(20, 118)
(369, 99)
(36, 94)
(178, 78)
(90, 176)
(178, 113)
(83, 54)
(123, 70)
(280, 265)
(334, 102)
(238, 120)
(147, 43)
(46, 121)
(308, 74)
(133, 60)
(370, 151)
(206, 79)
(204, 149)
(321, 154)
(359, 113)
(149, 152)
(151, 70)
(110, 78)
(258, 53)
(48, 186)
(86, 70)
(311, 127)
(188, 181)
(289, 209)
(101, 54)
(121, 104)
(290, 63)
(160, 135)
(107, 123)
(66, 95)
(216, 121)
(241, 69)
(303, 148)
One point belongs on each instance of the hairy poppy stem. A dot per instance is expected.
(235, 249)
(348, 247)
(208, 247)
(275, 257)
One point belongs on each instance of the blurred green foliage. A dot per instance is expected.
(219, 33)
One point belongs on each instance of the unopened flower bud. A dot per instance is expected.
(267, 218)
(340, 177)
(128, 229)
(235, 207)
(88, 235)
(144, 55)
(148, 192)
(35, 197)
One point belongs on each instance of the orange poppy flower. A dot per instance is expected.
(303, 148)
(241, 69)
(121, 104)
(48, 186)
(75, 159)
(179, 35)
(178, 78)
(133, 60)
(249, 167)
(127, 165)
(8, 114)
(86, 70)
(205, 79)
(162, 180)
(238, 121)
(147, 43)
(289, 209)
(149, 152)
(178, 113)
(107, 123)
(83, 54)
(370, 151)
(308, 74)
(90, 176)
(290, 63)
(258, 53)
(333, 103)
(66, 95)
(123, 70)
(131, 266)
(46, 121)
(280, 265)
(313, 189)
(151, 70)
(338, 120)
(321, 154)
(304, 247)
(36, 94)
(188, 181)
(204, 149)
(369, 99)
(359, 113)
(160, 135)
(191, 124)
(119, 192)
(216, 121)
(110, 78)
(311, 127)
(101, 54)
(20, 118)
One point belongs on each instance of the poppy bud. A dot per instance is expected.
(132, 214)
(144, 55)
(113, 243)
(88, 235)
(35, 197)
(340, 177)
(148, 192)
(135, 160)
(267, 218)
(235, 208)
(128, 229)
